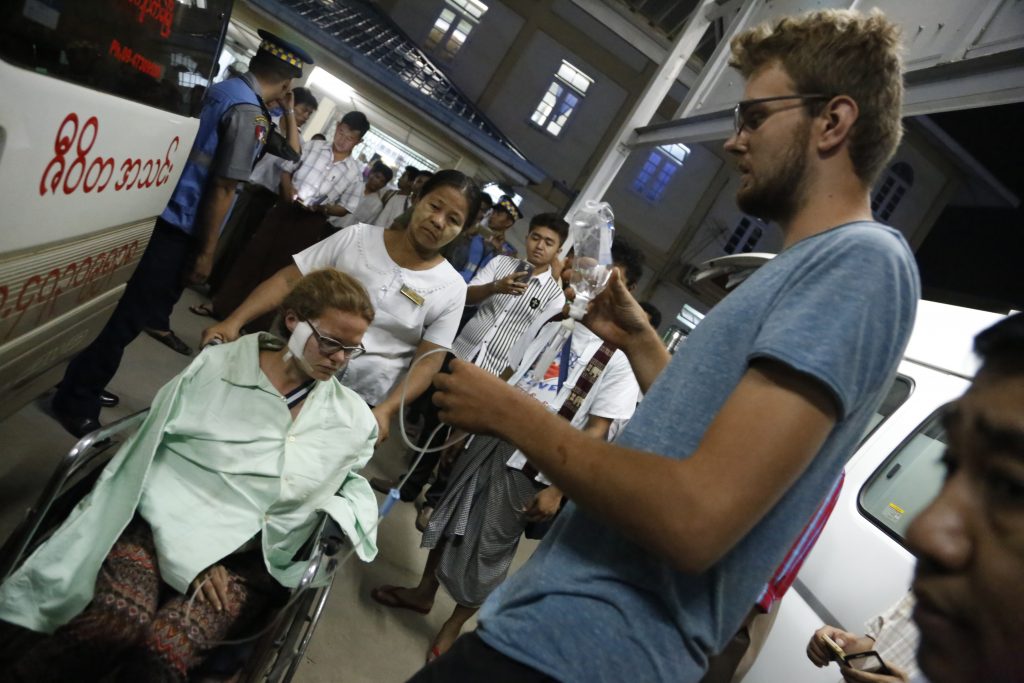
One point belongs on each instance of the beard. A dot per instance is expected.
(781, 192)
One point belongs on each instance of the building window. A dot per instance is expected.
(745, 237)
(659, 168)
(891, 190)
(561, 99)
(453, 25)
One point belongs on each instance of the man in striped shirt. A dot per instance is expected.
(510, 295)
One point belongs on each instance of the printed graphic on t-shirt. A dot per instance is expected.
(546, 390)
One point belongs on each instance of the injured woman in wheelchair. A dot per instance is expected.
(191, 532)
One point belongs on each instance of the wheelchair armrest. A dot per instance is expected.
(332, 538)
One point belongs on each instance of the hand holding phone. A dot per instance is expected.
(836, 652)
(524, 270)
(830, 644)
(868, 662)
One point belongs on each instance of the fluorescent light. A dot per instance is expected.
(338, 89)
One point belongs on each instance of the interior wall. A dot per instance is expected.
(474, 64)
(657, 223)
(510, 59)
(562, 157)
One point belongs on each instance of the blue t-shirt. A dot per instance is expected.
(591, 605)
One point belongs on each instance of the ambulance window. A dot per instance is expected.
(898, 393)
(157, 53)
(908, 480)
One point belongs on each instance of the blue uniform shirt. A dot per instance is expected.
(233, 127)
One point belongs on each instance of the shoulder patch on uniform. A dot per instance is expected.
(260, 125)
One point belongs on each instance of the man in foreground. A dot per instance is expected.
(970, 541)
(674, 529)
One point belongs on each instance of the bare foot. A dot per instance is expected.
(444, 640)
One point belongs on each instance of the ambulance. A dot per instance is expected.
(96, 122)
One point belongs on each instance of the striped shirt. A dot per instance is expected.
(502, 318)
(319, 179)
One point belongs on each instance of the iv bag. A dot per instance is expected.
(592, 229)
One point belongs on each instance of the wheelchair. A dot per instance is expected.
(278, 652)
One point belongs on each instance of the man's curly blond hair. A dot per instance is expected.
(838, 52)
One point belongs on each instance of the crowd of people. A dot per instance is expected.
(332, 295)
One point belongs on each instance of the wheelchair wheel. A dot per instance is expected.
(280, 652)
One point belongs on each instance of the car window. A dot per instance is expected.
(907, 481)
(900, 390)
(157, 53)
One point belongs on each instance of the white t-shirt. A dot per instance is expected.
(614, 395)
(399, 324)
(393, 208)
(366, 212)
(267, 172)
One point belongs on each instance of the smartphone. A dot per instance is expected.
(837, 652)
(868, 662)
(524, 267)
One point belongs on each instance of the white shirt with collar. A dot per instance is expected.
(400, 323)
(319, 179)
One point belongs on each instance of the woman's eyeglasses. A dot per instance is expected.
(329, 346)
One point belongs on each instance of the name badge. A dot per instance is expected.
(412, 295)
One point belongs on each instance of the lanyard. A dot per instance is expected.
(563, 362)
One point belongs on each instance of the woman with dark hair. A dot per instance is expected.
(418, 296)
(189, 534)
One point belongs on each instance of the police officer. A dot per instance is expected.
(234, 127)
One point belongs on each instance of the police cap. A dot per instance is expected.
(506, 204)
(278, 47)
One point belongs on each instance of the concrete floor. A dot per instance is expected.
(357, 641)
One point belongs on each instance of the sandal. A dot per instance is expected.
(203, 310)
(386, 595)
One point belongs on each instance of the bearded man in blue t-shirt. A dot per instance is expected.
(674, 528)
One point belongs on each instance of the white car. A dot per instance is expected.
(860, 566)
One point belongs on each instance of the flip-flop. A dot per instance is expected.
(201, 310)
(392, 600)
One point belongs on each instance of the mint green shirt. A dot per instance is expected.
(217, 461)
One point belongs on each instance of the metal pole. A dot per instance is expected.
(646, 106)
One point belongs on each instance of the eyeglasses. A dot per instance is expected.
(329, 346)
(743, 118)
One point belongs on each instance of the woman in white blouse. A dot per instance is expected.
(417, 294)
